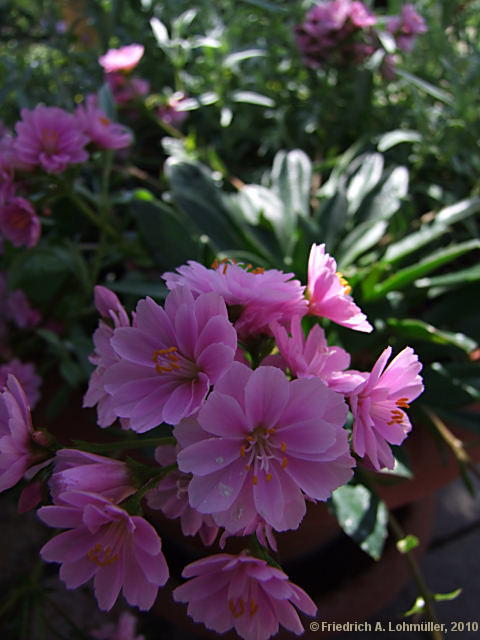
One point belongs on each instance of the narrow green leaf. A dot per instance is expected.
(442, 597)
(389, 198)
(363, 237)
(463, 276)
(426, 87)
(419, 330)
(238, 56)
(405, 276)
(252, 97)
(418, 607)
(291, 178)
(364, 180)
(331, 217)
(362, 516)
(392, 138)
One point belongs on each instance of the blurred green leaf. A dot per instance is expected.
(364, 179)
(460, 277)
(408, 543)
(363, 237)
(291, 178)
(427, 87)
(252, 97)
(363, 516)
(238, 56)
(414, 329)
(392, 138)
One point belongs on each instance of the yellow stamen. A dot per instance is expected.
(104, 121)
(241, 608)
(242, 450)
(253, 607)
(344, 283)
(283, 447)
(269, 477)
(255, 480)
(284, 463)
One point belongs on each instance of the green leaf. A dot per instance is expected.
(160, 32)
(364, 180)
(106, 101)
(443, 597)
(331, 217)
(405, 276)
(426, 87)
(392, 138)
(461, 277)
(429, 232)
(363, 516)
(408, 543)
(363, 237)
(252, 97)
(389, 198)
(414, 329)
(238, 56)
(418, 607)
(291, 178)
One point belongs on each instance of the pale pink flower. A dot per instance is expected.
(111, 309)
(122, 59)
(16, 453)
(26, 376)
(360, 16)
(169, 360)
(49, 137)
(19, 223)
(171, 496)
(244, 593)
(104, 542)
(328, 292)
(171, 112)
(406, 27)
(125, 629)
(19, 310)
(255, 297)
(99, 128)
(77, 470)
(378, 406)
(126, 89)
(261, 444)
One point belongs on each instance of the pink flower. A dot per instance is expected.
(19, 310)
(103, 541)
(16, 454)
(260, 444)
(126, 88)
(361, 16)
(406, 27)
(310, 357)
(125, 629)
(50, 137)
(123, 59)
(26, 376)
(378, 406)
(172, 112)
(255, 297)
(169, 360)
(171, 497)
(77, 470)
(244, 593)
(328, 292)
(19, 223)
(110, 308)
(101, 130)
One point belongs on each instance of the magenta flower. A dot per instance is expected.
(378, 406)
(104, 133)
(260, 444)
(125, 629)
(104, 542)
(50, 137)
(26, 375)
(171, 496)
(169, 360)
(18, 310)
(110, 308)
(171, 112)
(406, 27)
(19, 223)
(77, 470)
(328, 292)
(255, 297)
(244, 593)
(16, 454)
(125, 88)
(123, 59)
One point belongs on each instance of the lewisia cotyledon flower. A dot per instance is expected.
(255, 297)
(26, 375)
(120, 551)
(16, 454)
(102, 131)
(170, 358)
(328, 292)
(49, 137)
(406, 27)
(111, 309)
(245, 593)
(122, 59)
(378, 406)
(19, 222)
(260, 444)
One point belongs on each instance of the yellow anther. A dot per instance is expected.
(253, 607)
(271, 430)
(269, 477)
(255, 480)
(241, 608)
(344, 283)
(104, 121)
(214, 264)
(284, 463)
(283, 447)
(242, 450)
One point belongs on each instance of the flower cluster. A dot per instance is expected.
(344, 33)
(118, 65)
(256, 412)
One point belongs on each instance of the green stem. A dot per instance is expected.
(423, 590)
(98, 447)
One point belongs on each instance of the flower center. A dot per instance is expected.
(238, 608)
(344, 283)
(397, 415)
(226, 261)
(49, 140)
(260, 451)
(18, 219)
(171, 361)
(105, 121)
(102, 556)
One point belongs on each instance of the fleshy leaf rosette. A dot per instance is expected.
(103, 541)
(260, 444)
(245, 593)
(378, 406)
(170, 358)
